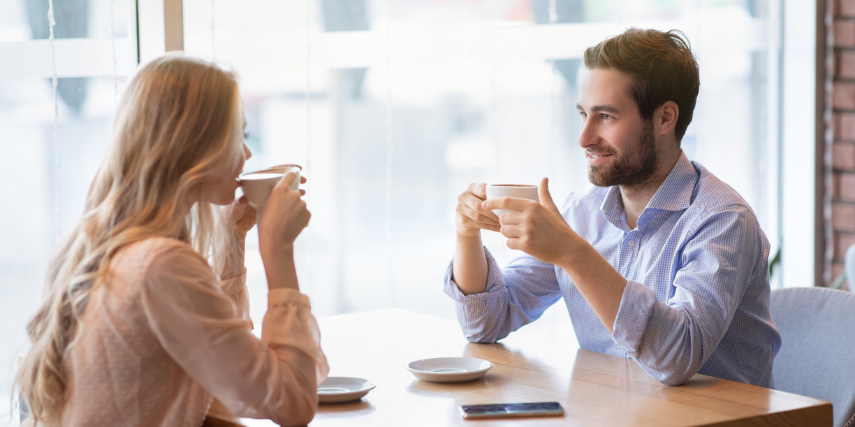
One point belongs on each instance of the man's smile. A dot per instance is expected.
(597, 158)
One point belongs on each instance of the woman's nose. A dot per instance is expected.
(246, 152)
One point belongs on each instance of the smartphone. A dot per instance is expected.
(507, 410)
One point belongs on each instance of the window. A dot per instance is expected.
(44, 178)
(392, 107)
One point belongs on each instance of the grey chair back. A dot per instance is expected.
(817, 355)
(849, 267)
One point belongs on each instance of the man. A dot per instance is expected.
(659, 261)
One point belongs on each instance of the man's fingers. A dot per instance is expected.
(508, 203)
(477, 217)
(515, 244)
(511, 231)
(495, 228)
(474, 203)
(480, 190)
(510, 218)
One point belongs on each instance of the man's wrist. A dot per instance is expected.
(568, 252)
(469, 236)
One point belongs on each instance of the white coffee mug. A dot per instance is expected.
(495, 191)
(258, 185)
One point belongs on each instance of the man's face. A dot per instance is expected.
(619, 145)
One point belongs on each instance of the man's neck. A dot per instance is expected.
(636, 197)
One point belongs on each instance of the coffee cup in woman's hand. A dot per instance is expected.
(258, 185)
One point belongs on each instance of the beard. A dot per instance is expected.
(630, 168)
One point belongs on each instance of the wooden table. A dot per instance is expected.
(595, 389)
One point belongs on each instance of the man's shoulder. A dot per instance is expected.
(711, 194)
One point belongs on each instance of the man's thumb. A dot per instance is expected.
(544, 196)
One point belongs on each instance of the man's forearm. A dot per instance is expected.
(599, 283)
(469, 268)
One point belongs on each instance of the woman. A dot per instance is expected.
(135, 328)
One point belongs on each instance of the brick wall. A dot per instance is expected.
(843, 119)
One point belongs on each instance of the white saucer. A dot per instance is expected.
(343, 389)
(449, 369)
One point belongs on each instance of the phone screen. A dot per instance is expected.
(532, 409)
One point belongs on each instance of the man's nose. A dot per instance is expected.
(588, 134)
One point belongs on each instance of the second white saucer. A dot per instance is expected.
(449, 369)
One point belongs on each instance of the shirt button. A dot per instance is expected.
(631, 243)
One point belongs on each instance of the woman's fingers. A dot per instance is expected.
(287, 181)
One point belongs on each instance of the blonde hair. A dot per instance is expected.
(176, 125)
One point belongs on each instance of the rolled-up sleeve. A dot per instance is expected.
(671, 340)
(514, 297)
(200, 327)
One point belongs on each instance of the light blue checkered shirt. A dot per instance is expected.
(697, 292)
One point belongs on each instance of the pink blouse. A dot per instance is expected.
(161, 339)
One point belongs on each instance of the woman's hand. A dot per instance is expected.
(240, 216)
(281, 219)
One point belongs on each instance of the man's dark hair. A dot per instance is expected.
(662, 68)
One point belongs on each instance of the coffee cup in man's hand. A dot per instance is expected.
(520, 191)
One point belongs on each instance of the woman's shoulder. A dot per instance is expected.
(156, 253)
(155, 247)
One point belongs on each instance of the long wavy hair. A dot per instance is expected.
(177, 125)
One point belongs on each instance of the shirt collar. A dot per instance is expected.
(674, 194)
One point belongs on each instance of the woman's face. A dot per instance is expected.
(221, 189)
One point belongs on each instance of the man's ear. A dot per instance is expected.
(666, 116)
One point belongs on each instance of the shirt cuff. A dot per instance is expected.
(284, 296)
(473, 309)
(636, 306)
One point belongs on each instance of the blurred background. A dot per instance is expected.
(392, 107)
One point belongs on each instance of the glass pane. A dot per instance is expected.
(28, 19)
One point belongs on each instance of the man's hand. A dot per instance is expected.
(537, 229)
(472, 216)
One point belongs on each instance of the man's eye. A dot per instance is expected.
(607, 117)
